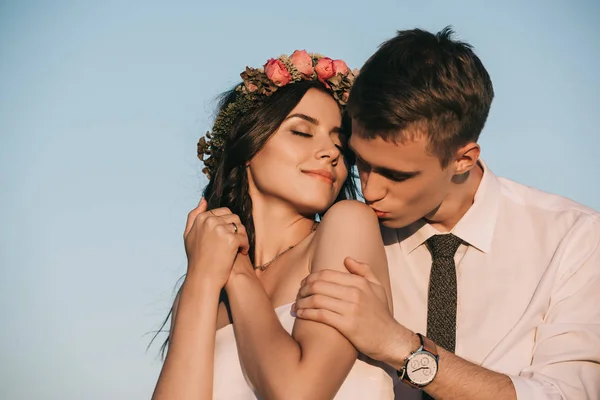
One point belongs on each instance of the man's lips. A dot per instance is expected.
(379, 213)
(321, 174)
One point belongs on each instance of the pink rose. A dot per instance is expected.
(340, 67)
(303, 62)
(277, 72)
(345, 97)
(324, 69)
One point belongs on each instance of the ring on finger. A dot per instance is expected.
(235, 228)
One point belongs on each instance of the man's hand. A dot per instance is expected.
(356, 305)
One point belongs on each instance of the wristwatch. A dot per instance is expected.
(421, 366)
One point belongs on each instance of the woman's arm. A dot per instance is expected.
(212, 244)
(315, 360)
(188, 369)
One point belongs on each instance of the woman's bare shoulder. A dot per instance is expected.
(350, 214)
(346, 224)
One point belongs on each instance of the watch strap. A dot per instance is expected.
(428, 345)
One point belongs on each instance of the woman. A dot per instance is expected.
(277, 158)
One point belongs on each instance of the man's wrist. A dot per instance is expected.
(404, 343)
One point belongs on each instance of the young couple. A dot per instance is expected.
(473, 287)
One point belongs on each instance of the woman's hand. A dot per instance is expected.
(212, 241)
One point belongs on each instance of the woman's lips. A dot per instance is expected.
(322, 175)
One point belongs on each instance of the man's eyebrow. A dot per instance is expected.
(312, 120)
(388, 171)
(395, 173)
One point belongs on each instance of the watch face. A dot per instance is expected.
(421, 368)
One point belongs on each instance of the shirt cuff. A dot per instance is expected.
(530, 388)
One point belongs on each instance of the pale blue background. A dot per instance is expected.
(101, 105)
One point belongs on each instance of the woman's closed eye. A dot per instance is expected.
(302, 134)
(340, 146)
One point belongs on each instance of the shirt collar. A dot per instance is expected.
(476, 227)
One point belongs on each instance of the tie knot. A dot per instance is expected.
(443, 245)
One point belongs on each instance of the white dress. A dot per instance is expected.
(366, 380)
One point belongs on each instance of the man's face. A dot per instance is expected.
(402, 182)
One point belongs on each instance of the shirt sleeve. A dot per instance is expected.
(566, 358)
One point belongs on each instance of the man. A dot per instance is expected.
(502, 281)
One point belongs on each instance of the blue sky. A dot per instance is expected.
(101, 105)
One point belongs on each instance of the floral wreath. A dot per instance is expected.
(258, 84)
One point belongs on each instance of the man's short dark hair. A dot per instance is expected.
(423, 83)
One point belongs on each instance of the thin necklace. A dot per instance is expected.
(264, 266)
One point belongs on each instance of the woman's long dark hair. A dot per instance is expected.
(228, 184)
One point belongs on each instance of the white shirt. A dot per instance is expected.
(528, 289)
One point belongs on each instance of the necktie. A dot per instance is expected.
(441, 303)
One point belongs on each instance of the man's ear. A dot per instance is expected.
(466, 157)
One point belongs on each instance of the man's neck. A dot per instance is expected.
(458, 201)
